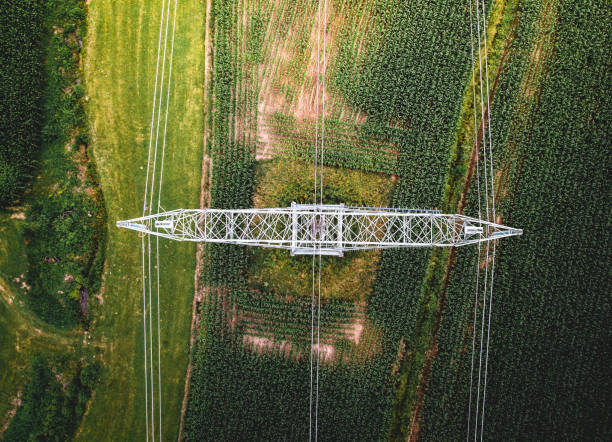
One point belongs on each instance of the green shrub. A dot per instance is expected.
(50, 411)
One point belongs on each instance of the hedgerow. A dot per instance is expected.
(64, 228)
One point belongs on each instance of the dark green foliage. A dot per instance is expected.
(548, 367)
(346, 145)
(65, 215)
(445, 410)
(63, 231)
(411, 86)
(21, 79)
(51, 408)
(553, 332)
(266, 397)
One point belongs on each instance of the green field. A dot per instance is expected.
(381, 122)
(547, 369)
(120, 77)
(396, 325)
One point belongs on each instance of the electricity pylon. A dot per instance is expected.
(309, 229)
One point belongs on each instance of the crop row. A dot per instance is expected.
(21, 80)
(547, 376)
(411, 88)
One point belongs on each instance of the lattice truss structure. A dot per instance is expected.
(320, 229)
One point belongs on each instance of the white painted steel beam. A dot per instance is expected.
(307, 229)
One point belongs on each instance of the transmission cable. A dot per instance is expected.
(313, 229)
(318, 229)
(490, 215)
(484, 21)
(161, 175)
(146, 277)
(476, 145)
(150, 211)
(323, 227)
(484, 393)
(150, 179)
(484, 145)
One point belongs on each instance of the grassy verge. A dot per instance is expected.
(120, 78)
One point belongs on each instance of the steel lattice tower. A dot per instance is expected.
(308, 229)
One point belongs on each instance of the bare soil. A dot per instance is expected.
(10, 414)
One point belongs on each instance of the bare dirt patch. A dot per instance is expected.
(10, 414)
(305, 101)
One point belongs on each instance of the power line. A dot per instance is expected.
(161, 26)
(159, 110)
(322, 227)
(484, 21)
(144, 278)
(161, 175)
(151, 341)
(157, 248)
(476, 145)
(482, 112)
(148, 198)
(490, 215)
(484, 393)
(316, 154)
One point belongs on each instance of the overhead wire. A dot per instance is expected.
(318, 223)
(316, 154)
(484, 24)
(161, 175)
(158, 96)
(482, 110)
(146, 278)
(476, 145)
(485, 166)
(321, 167)
(484, 393)
(150, 211)
(144, 323)
(490, 215)
(151, 343)
(160, 101)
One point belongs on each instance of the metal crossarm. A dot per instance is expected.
(307, 229)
